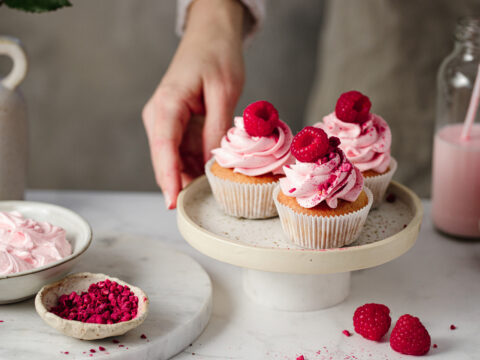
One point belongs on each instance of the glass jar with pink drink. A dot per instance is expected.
(456, 150)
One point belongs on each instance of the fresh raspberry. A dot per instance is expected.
(310, 144)
(353, 107)
(409, 336)
(260, 118)
(372, 321)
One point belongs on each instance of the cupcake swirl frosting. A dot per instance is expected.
(255, 155)
(26, 244)
(366, 145)
(329, 179)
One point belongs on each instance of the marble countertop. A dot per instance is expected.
(437, 280)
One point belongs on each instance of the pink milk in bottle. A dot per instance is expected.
(456, 181)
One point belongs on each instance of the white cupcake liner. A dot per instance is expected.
(378, 184)
(322, 232)
(250, 201)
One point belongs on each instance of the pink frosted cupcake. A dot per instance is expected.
(321, 201)
(365, 138)
(246, 167)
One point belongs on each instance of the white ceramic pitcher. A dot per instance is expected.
(13, 124)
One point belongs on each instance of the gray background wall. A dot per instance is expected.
(94, 65)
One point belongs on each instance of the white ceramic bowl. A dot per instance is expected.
(25, 284)
(48, 296)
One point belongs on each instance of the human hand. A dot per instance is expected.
(205, 78)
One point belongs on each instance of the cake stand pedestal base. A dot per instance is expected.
(296, 292)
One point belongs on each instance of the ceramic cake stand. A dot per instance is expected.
(281, 275)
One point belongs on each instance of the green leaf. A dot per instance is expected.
(37, 6)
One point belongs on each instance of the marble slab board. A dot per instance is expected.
(179, 290)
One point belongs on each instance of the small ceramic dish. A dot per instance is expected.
(48, 296)
(22, 285)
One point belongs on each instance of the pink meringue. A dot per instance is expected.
(27, 244)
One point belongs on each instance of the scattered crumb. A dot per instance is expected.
(115, 341)
(300, 357)
(143, 336)
(92, 350)
(435, 346)
(101, 348)
(346, 333)
(452, 327)
(121, 345)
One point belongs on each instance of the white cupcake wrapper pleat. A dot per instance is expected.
(322, 232)
(250, 201)
(378, 184)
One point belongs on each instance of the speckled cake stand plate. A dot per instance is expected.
(280, 275)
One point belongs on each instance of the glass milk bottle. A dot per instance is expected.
(456, 150)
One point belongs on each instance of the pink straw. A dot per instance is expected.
(472, 108)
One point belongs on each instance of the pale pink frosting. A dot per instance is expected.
(27, 244)
(255, 155)
(329, 179)
(366, 145)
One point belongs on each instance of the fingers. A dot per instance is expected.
(219, 113)
(165, 118)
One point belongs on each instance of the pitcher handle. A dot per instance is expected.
(10, 46)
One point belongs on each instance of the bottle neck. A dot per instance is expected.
(467, 35)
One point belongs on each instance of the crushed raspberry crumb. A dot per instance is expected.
(92, 350)
(409, 336)
(346, 333)
(391, 198)
(260, 118)
(101, 348)
(300, 357)
(435, 346)
(143, 336)
(292, 190)
(372, 321)
(310, 144)
(105, 302)
(121, 345)
(353, 107)
(115, 341)
(452, 327)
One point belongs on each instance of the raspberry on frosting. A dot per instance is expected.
(260, 118)
(310, 144)
(353, 107)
